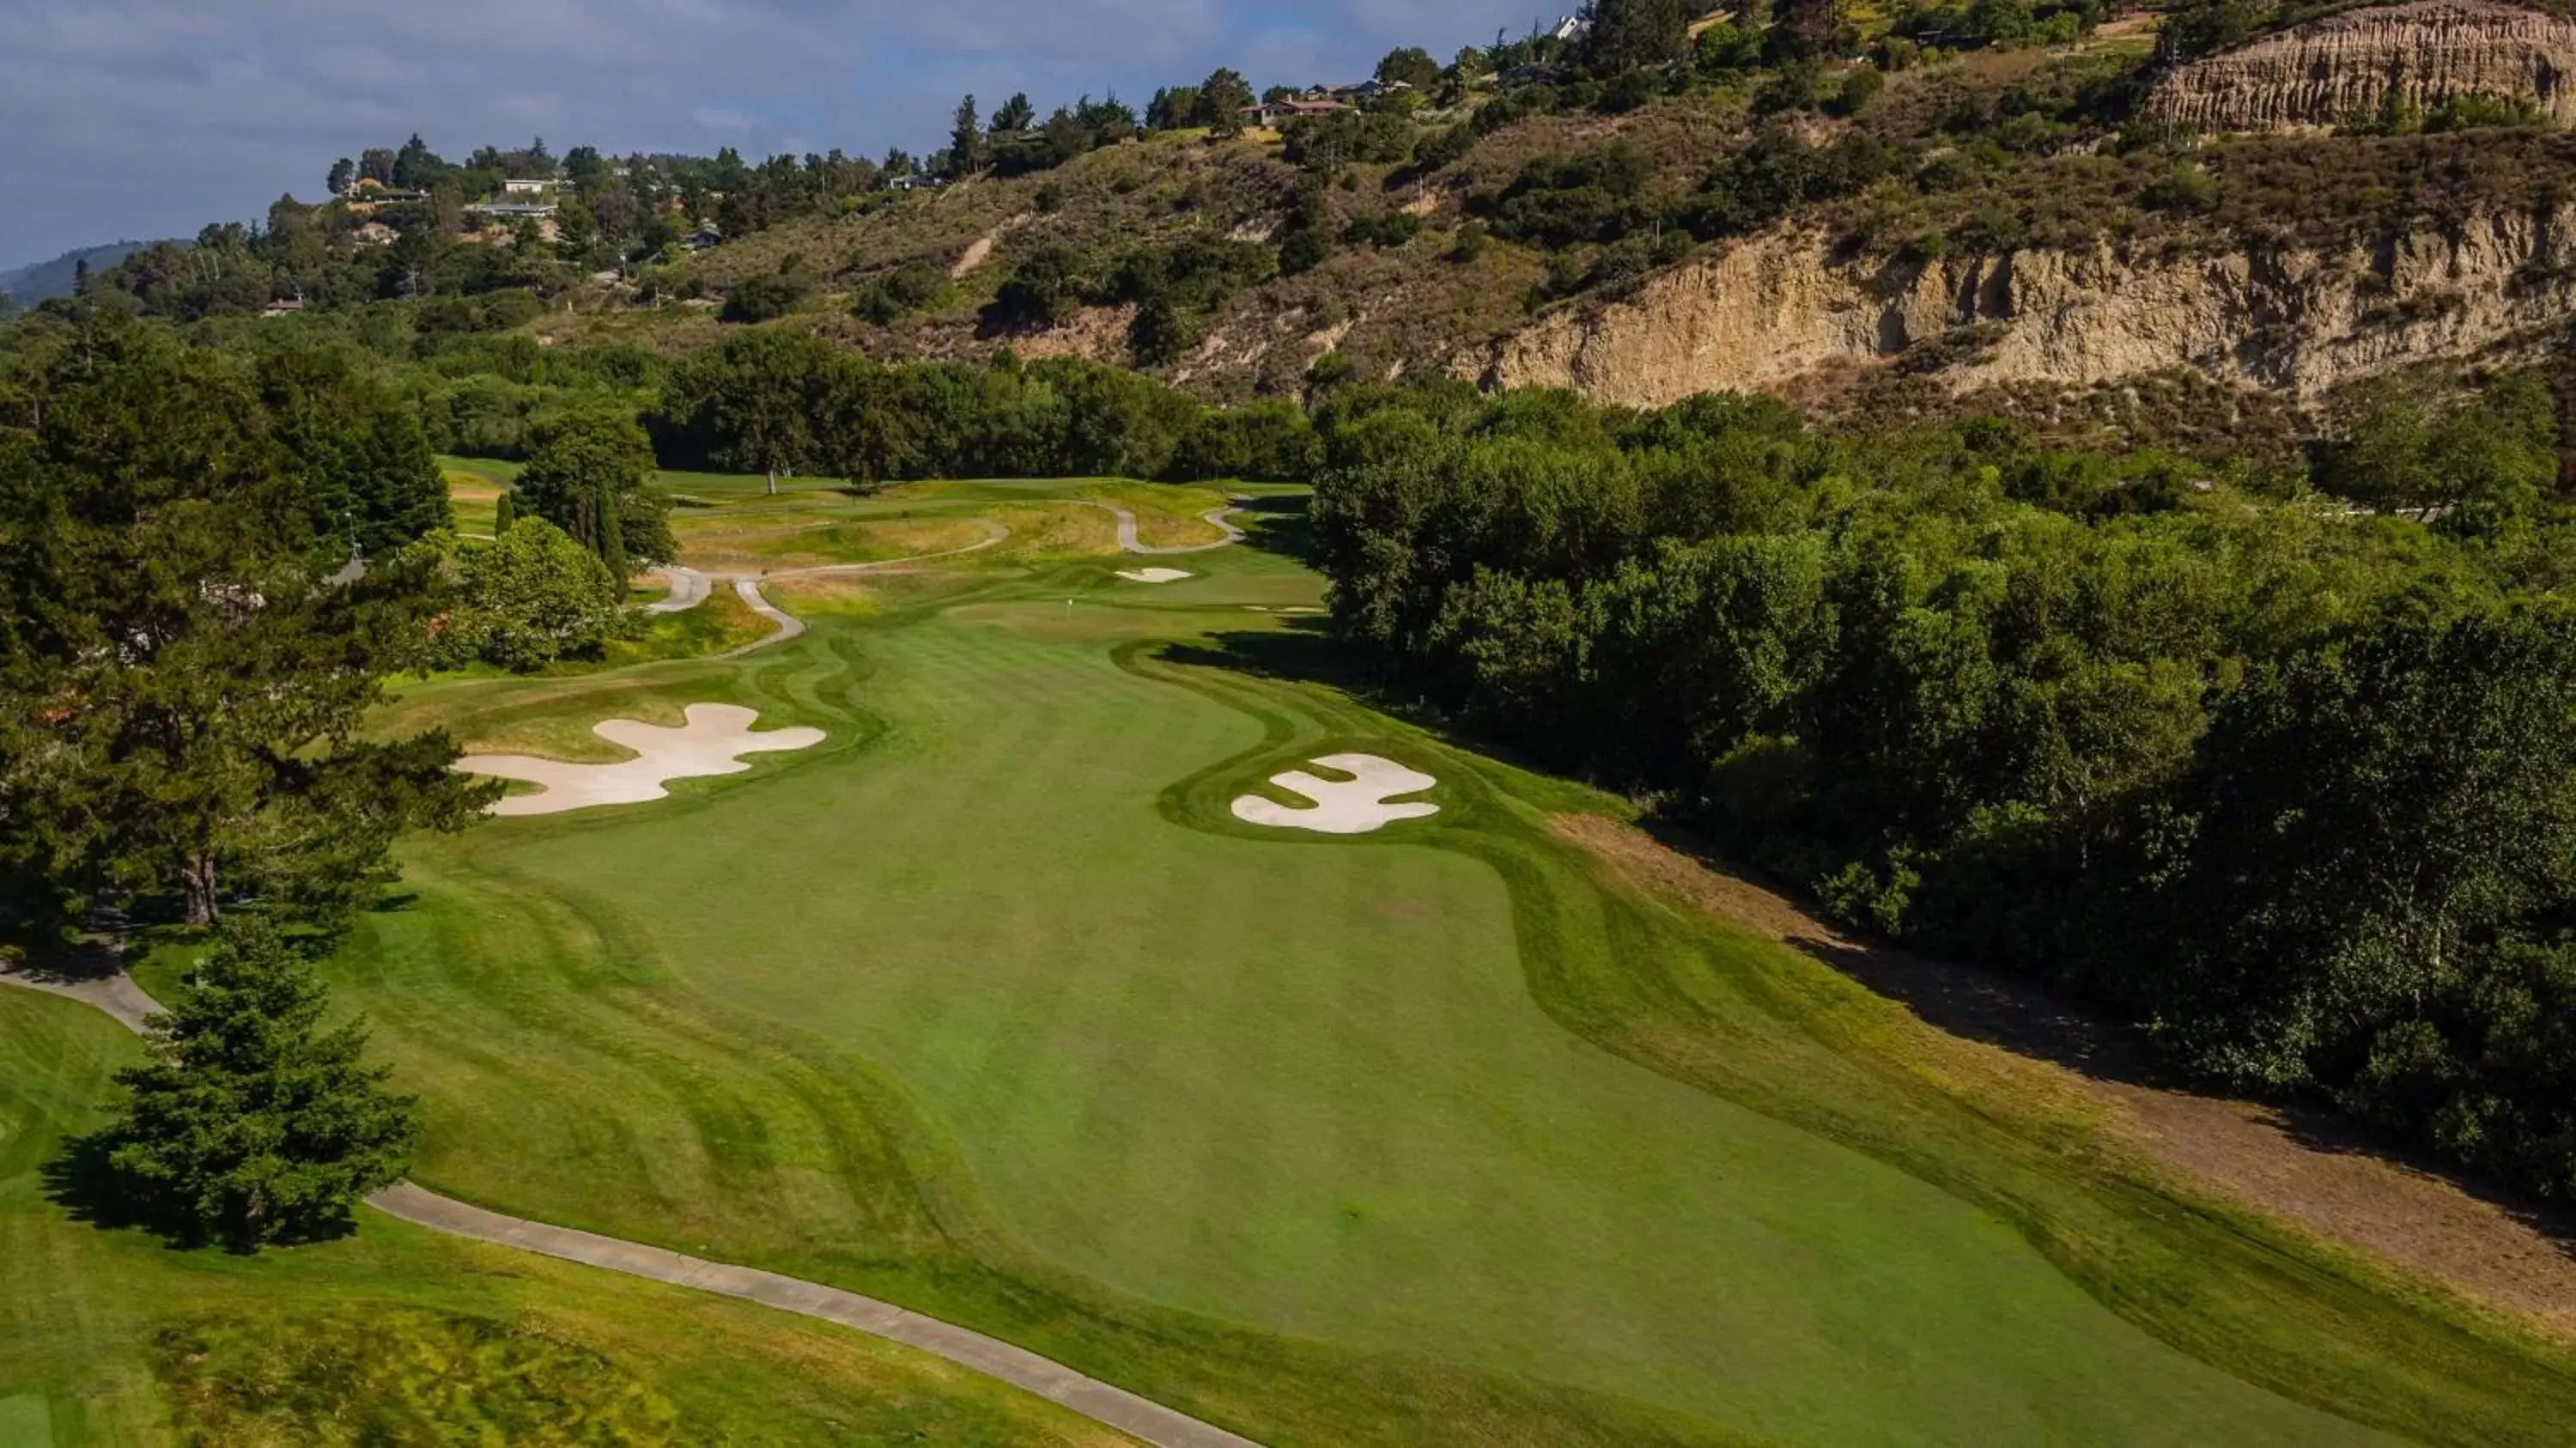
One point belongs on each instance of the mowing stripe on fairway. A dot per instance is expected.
(124, 1002)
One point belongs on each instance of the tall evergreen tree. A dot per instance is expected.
(612, 533)
(1625, 34)
(1223, 98)
(966, 142)
(251, 1124)
(588, 466)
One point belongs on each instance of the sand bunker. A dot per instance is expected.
(1354, 806)
(1153, 575)
(711, 743)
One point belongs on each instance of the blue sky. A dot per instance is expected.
(149, 118)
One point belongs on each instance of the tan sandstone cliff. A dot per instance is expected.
(1775, 309)
(2350, 64)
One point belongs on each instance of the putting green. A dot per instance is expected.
(989, 1008)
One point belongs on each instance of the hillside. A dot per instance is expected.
(43, 280)
(2018, 218)
(2027, 202)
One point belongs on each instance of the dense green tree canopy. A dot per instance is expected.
(532, 597)
(589, 475)
(2292, 782)
(183, 665)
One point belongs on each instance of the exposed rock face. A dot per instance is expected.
(2352, 63)
(1777, 308)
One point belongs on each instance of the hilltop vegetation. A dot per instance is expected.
(1407, 225)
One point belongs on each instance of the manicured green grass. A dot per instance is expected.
(990, 1007)
(107, 1337)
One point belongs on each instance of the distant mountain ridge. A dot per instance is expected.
(38, 281)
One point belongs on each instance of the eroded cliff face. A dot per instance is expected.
(1777, 309)
(2351, 64)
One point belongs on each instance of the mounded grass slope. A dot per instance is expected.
(988, 1006)
(399, 1337)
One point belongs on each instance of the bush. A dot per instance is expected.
(2185, 188)
(1561, 201)
(531, 598)
(764, 299)
(1858, 89)
(1045, 289)
(1333, 143)
(1385, 229)
(899, 293)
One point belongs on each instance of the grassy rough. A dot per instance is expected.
(399, 1338)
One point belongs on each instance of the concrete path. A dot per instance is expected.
(788, 624)
(1128, 540)
(689, 588)
(1101, 1402)
(117, 994)
(1090, 1397)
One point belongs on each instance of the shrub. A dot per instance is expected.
(766, 298)
(899, 293)
(1858, 89)
(1043, 290)
(530, 599)
(2184, 188)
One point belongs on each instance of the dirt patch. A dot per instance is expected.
(980, 250)
(2299, 1166)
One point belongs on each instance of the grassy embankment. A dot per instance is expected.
(397, 1336)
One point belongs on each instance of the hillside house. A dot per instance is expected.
(1294, 108)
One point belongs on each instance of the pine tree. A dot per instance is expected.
(612, 534)
(966, 143)
(504, 513)
(250, 1124)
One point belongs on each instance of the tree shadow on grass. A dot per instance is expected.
(1299, 651)
(1280, 525)
(84, 1180)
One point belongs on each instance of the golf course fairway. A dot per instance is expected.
(989, 1006)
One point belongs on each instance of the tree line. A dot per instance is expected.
(186, 662)
(779, 402)
(2284, 777)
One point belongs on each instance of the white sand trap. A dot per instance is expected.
(711, 743)
(1354, 806)
(1153, 575)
